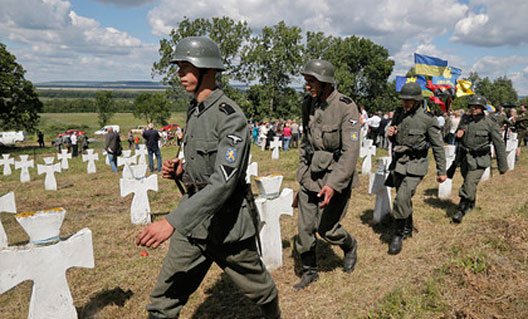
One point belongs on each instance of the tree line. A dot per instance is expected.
(267, 63)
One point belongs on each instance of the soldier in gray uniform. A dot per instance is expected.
(475, 133)
(215, 220)
(327, 170)
(412, 132)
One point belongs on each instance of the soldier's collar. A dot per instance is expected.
(210, 100)
(328, 101)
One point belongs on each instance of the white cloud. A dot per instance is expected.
(390, 23)
(493, 23)
(126, 3)
(54, 42)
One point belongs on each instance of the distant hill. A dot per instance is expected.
(113, 85)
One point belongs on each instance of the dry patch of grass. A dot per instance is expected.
(477, 269)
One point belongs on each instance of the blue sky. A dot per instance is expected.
(109, 40)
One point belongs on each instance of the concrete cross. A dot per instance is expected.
(511, 147)
(383, 204)
(274, 145)
(107, 159)
(367, 151)
(90, 157)
(252, 170)
(46, 266)
(271, 204)
(24, 164)
(50, 183)
(126, 160)
(7, 205)
(444, 188)
(7, 162)
(63, 157)
(141, 154)
(140, 207)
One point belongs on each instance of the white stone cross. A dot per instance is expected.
(24, 164)
(383, 204)
(274, 145)
(126, 161)
(511, 147)
(140, 207)
(252, 170)
(90, 157)
(50, 183)
(107, 159)
(444, 188)
(270, 209)
(63, 157)
(141, 154)
(486, 175)
(7, 162)
(367, 151)
(7, 205)
(46, 266)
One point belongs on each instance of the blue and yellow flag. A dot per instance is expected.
(428, 65)
(401, 80)
(450, 76)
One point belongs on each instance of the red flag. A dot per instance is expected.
(436, 100)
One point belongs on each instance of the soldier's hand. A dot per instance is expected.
(459, 133)
(172, 168)
(441, 178)
(155, 234)
(327, 193)
(392, 130)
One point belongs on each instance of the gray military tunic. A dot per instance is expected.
(417, 130)
(475, 151)
(212, 222)
(329, 153)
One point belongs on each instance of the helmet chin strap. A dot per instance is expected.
(201, 74)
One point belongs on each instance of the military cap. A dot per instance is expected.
(201, 52)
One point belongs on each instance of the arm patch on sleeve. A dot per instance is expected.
(345, 99)
(227, 109)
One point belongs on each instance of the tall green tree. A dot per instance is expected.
(152, 107)
(273, 58)
(105, 106)
(19, 103)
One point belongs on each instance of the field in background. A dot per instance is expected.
(478, 269)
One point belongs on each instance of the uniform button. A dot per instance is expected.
(319, 121)
(192, 136)
(192, 157)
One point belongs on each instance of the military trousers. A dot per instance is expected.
(323, 221)
(186, 264)
(405, 189)
(468, 190)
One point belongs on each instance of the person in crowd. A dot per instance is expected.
(152, 138)
(113, 147)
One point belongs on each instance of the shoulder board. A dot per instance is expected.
(345, 99)
(227, 109)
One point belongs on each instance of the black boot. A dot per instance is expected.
(408, 228)
(397, 240)
(309, 270)
(463, 208)
(271, 310)
(350, 257)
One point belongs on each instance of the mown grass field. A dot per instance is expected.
(478, 269)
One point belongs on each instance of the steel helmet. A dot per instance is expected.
(477, 100)
(322, 70)
(201, 52)
(411, 91)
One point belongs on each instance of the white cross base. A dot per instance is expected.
(511, 147)
(270, 211)
(7, 162)
(140, 207)
(50, 183)
(486, 175)
(445, 188)
(275, 145)
(63, 157)
(46, 266)
(24, 164)
(7, 205)
(141, 154)
(252, 170)
(107, 159)
(91, 157)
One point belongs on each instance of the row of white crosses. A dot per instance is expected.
(44, 260)
(366, 151)
(383, 205)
